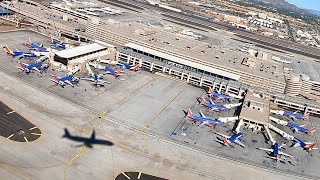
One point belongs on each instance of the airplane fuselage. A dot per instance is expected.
(209, 121)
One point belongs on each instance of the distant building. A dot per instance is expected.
(262, 16)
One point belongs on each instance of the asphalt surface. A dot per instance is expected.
(139, 112)
(15, 127)
(136, 175)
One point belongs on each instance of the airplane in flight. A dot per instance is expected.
(301, 128)
(229, 140)
(127, 66)
(277, 154)
(218, 108)
(27, 68)
(87, 141)
(308, 146)
(97, 82)
(36, 47)
(293, 116)
(203, 119)
(113, 72)
(57, 44)
(62, 81)
(20, 54)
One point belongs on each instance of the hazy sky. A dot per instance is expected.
(306, 4)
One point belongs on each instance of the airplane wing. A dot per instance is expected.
(240, 143)
(104, 82)
(88, 79)
(223, 135)
(282, 153)
(202, 115)
(68, 82)
(203, 123)
(36, 69)
(265, 149)
(53, 80)
(214, 109)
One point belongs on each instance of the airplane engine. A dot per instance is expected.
(61, 83)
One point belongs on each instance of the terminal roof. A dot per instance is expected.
(255, 109)
(80, 50)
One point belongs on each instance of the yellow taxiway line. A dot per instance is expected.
(36, 134)
(26, 139)
(11, 112)
(126, 175)
(33, 128)
(10, 136)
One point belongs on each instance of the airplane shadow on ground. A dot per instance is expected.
(88, 142)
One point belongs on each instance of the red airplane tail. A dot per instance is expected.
(310, 146)
(118, 73)
(56, 78)
(307, 116)
(8, 50)
(225, 140)
(51, 39)
(312, 130)
(29, 42)
(135, 68)
(190, 115)
(210, 91)
(203, 101)
(22, 66)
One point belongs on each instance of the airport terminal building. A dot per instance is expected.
(196, 62)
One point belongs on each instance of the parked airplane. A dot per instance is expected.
(218, 108)
(291, 115)
(127, 66)
(69, 79)
(35, 67)
(228, 140)
(113, 72)
(19, 53)
(308, 146)
(36, 47)
(87, 141)
(97, 82)
(277, 154)
(297, 128)
(218, 96)
(295, 115)
(203, 119)
(57, 44)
